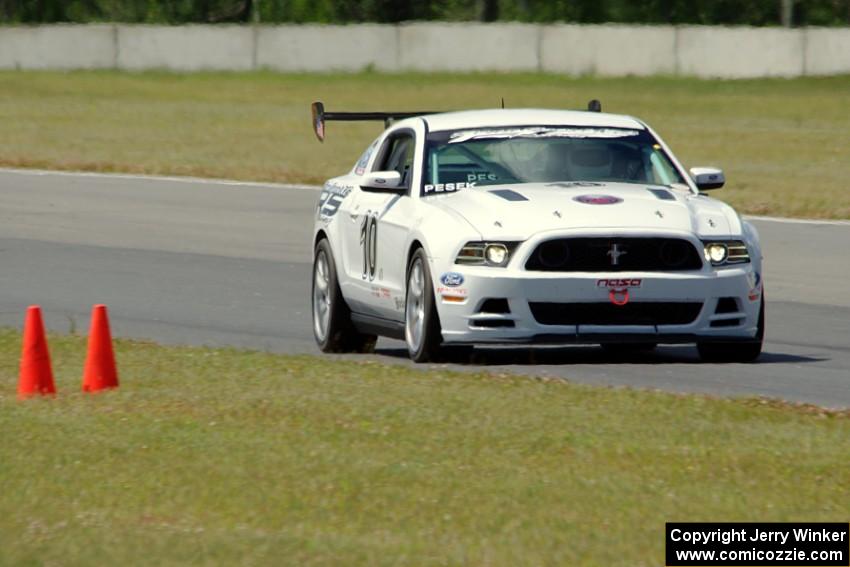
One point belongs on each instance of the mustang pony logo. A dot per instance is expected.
(615, 254)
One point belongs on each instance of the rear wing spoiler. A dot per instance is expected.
(320, 116)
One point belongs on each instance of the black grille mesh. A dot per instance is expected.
(636, 313)
(614, 255)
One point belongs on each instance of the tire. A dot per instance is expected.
(735, 352)
(422, 331)
(332, 326)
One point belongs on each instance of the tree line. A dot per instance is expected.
(710, 12)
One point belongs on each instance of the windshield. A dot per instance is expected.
(543, 154)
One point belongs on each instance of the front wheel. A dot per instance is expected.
(422, 331)
(735, 352)
(332, 326)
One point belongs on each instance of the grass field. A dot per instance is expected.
(221, 457)
(785, 144)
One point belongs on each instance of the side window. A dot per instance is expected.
(397, 155)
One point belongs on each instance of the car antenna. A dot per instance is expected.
(503, 102)
(594, 106)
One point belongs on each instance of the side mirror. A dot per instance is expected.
(379, 181)
(707, 178)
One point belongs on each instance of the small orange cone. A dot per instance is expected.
(36, 376)
(99, 372)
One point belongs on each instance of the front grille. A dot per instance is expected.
(635, 313)
(614, 255)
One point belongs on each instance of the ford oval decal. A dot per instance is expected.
(452, 279)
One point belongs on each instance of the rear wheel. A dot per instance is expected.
(332, 326)
(735, 352)
(422, 331)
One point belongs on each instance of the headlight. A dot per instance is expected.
(725, 252)
(715, 252)
(486, 253)
(496, 254)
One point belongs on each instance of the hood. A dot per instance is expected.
(515, 212)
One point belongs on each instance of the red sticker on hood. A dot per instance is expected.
(598, 199)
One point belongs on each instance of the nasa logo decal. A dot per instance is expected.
(598, 199)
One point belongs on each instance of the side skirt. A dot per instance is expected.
(371, 325)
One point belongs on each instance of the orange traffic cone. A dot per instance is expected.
(36, 376)
(100, 372)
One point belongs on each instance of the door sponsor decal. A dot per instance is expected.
(369, 242)
(330, 199)
(380, 292)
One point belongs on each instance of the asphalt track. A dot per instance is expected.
(225, 263)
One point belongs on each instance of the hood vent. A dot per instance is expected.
(662, 194)
(572, 184)
(509, 195)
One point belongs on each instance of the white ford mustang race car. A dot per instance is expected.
(533, 227)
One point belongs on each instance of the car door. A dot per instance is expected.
(376, 228)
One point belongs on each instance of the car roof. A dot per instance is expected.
(499, 117)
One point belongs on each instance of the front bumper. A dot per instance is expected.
(463, 322)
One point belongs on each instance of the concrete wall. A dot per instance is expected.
(827, 51)
(468, 47)
(327, 48)
(607, 50)
(185, 48)
(57, 47)
(737, 53)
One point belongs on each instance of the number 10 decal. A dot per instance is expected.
(369, 241)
